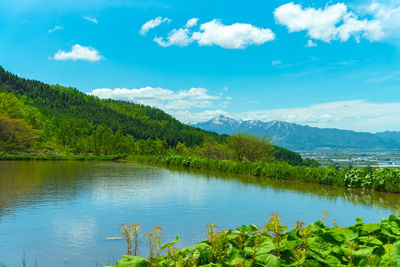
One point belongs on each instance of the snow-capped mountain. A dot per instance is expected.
(301, 137)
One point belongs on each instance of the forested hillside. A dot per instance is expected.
(42, 119)
(140, 121)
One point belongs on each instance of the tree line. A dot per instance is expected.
(38, 118)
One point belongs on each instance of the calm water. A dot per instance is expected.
(59, 213)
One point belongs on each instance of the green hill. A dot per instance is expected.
(45, 119)
(140, 121)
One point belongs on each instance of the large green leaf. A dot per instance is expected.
(268, 260)
(343, 234)
(133, 261)
(205, 252)
(235, 257)
(369, 240)
(371, 227)
(247, 229)
(396, 254)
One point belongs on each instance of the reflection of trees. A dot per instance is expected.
(24, 183)
(27, 182)
(356, 196)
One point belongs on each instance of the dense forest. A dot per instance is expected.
(41, 119)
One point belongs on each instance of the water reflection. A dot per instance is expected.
(60, 212)
(357, 196)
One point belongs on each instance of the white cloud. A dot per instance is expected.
(197, 105)
(91, 19)
(334, 22)
(160, 97)
(178, 37)
(56, 28)
(355, 115)
(388, 15)
(186, 105)
(310, 43)
(151, 24)
(78, 52)
(191, 22)
(235, 36)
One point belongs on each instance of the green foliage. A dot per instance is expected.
(16, 108)
(212, 149)
(373, 244)
(249, 147)
(73, 123)
(68, 117)
(385, 179)
(15, 135)
(282, 154)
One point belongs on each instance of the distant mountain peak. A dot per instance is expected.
(221, 119)
(300, 137)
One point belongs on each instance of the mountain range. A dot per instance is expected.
(302, 137)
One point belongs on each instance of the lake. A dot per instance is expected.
(60, 213)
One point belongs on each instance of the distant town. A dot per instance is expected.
(354, 158)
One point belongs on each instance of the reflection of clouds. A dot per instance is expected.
(75, 232)
(166, 188)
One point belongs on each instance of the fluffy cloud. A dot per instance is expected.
(178, 37)
(91, 19)
(160, 97)
(196, 105)
(78, 52)
(388, 15)
(151, 24)
(235, 36)
(334, 22)
(186, 105)
(191, 22)
(355, 115)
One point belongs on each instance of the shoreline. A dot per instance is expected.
(381, 180)
(63, 157)
(369, 179)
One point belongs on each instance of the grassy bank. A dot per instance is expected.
(385, 180)
(373, 244)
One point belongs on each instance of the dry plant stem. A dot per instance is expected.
(127, 235)
(131, 235)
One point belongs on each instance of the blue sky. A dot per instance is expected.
(325, 64)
